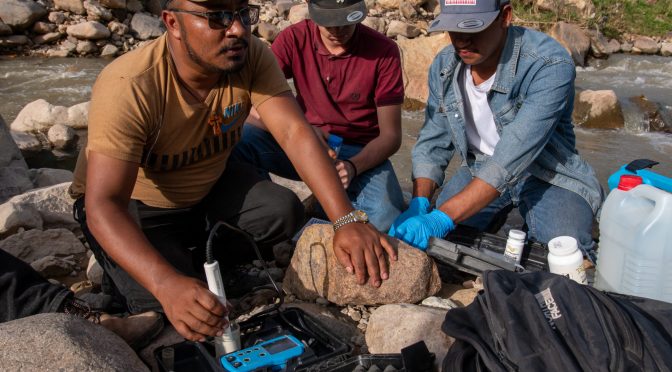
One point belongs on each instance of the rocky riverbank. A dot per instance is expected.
(108, 28)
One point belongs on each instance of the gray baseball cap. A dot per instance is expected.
(334, 13)
(469, 16)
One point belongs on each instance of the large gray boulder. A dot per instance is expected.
(26, 142)
(21, 14)
(45, 207)
(13, 168)
(314, 272)
(147, 26)
(598, 109)
(62, 342)
(393, 327)
(574, 39)
(32, 245)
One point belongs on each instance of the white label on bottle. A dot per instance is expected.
(513, 252)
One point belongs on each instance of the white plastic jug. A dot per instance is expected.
(635, 251)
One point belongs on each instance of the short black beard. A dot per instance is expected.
(208, 66)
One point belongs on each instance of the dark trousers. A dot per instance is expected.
(24, 292)
(268, 212)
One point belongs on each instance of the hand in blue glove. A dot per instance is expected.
(417, 207)
(417, 230)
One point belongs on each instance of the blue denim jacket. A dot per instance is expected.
(531, 99)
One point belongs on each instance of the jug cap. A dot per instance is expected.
(562, 245)
(629, 181)
(517, 234)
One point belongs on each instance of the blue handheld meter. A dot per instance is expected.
(273, 353)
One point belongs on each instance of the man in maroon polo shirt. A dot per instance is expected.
(348, 83)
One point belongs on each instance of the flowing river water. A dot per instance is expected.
(68, 81)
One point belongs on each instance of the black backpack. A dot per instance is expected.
(545, 322)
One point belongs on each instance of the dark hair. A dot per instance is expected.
(165, 3)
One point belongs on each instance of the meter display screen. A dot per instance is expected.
(279, 345)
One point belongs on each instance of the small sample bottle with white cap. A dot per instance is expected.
(514, 246)
(565, 258)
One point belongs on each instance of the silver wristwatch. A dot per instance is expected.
(354, 216)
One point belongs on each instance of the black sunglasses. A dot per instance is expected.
(223, 19)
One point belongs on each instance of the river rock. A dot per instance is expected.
(13, 181)
(39, 115)
(298, 187)
(597, 109)
(283, 6)
(298, 13)
(31, 245)
(626, 47)
(95, 12)
(416, 56)
(85, 47)
(56, 17)
(267, 31)
(51, 266)
(574, 39)
(21, 14)
(584, 8)
(146, 26)
(78, 116)
(109, 50)
(58, 53)
(613, 46)
(48, 206)
(13, 168)
(388, 4)
(134, 6)
(599, 46)
(47, 38)
(439, 303)
(74, 6)
(376, 23)
(118, 28)
(654, 114)
(14, 40)
(645, 45)
(90, 30)
(62, 137)
(396, 28)
(407, 10)
(62, 342)
(4, 29)
(43, 27)
(114, 4)
(666, 49)
(314, 272)
(45, 177)
(94, 272)
(26, 142)
(393, 327)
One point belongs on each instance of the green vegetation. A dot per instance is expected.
(612, 17)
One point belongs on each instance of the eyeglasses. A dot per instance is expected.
(223, 19)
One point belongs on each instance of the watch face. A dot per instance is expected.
(360, 216)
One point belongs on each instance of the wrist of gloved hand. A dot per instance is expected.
(418, 206)
(417, 230)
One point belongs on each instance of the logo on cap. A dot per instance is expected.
(470, 23)
(459, 2)
(354, 16)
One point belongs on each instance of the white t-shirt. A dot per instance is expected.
(480, 126)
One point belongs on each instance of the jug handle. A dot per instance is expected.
(657, 197)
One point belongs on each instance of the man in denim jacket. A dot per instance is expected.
(502, 97)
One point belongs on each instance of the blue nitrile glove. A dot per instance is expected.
(417, 207)
(417, 230)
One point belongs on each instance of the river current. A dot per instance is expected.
(68, 81)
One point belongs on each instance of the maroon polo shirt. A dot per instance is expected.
(340, 93)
